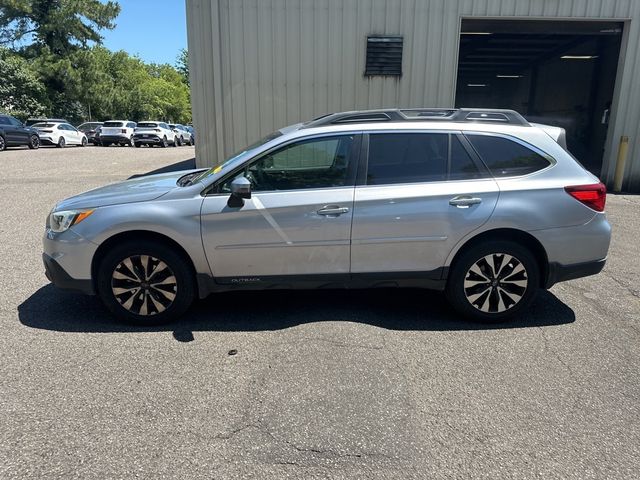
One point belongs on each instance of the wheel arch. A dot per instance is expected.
(510, 234)
(139, 236)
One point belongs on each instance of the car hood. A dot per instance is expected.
(140, 189)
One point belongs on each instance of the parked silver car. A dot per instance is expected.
(477, 203)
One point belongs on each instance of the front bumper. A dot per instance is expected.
(61, 279)
(68, 258)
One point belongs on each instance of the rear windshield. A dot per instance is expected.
(43, 125)
(172, 126)
(147, 125)
(112, 124)
(88, 126)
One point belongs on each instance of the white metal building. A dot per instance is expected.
(258, 65)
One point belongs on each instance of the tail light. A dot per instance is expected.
(124, 130)
(593, 196)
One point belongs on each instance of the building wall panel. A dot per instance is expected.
(257, 65)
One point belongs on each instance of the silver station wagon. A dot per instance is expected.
(477, 203)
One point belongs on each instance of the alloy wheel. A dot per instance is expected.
(3, 145)
(496, 283)
(144, 285)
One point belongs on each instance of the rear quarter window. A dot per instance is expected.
(506, 158)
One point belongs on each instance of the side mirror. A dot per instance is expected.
(241, 187)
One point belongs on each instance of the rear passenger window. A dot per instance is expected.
(462, 166)
(506, 158)
(407, 158)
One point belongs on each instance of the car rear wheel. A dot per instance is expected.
(138, 145)
(34, 142)
(145, 283)
(493, 281)
(3, 144)
(84, 142)
(191, 141)
(164, 143)
(105, 144)
(61, 142)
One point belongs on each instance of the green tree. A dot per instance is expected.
(182, 65)
(61, 25)
(22, 94)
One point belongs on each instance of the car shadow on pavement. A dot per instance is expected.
(174, 167)
(396, 309)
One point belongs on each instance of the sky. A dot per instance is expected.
(155, 30)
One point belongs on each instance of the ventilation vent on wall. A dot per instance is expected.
(384, 55)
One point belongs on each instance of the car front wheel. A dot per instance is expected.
(34, 142)
(145, 283)
(493, 281)
(3, 144)
(61, 142)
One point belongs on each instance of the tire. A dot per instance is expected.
(191, 141)
(138, 301)
(175, 142)
(476, 292)
(34, 142)
(164, 143)
(105, 144)
(3, 144)
(137, 145)
(131, 142)
(61, 143)
(84, 142)
(180, 141)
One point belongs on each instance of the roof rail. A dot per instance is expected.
(476, 115)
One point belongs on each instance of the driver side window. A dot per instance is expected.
(317, 163)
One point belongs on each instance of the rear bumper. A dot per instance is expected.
(114, 138)
(61, 279)
(147, 140)
(561, 273)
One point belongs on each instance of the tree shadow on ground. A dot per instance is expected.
(395, 309)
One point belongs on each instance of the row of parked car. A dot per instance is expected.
(59, 132)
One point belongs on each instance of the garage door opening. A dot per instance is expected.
(555, 72)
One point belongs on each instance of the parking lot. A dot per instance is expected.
(324, 384)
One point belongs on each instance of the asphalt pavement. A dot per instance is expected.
(380, 384)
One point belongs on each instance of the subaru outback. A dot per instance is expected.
(479, 204)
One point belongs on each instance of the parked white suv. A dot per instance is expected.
(183, 134)
(117, 131)
(154, 133)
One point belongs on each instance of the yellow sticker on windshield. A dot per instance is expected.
(217, 169)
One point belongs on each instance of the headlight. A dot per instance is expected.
(60, 221)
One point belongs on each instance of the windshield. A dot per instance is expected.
(229, 161)
(147, 125)
(112, 124)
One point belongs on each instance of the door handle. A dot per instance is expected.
(332, 210)
(464, 201)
